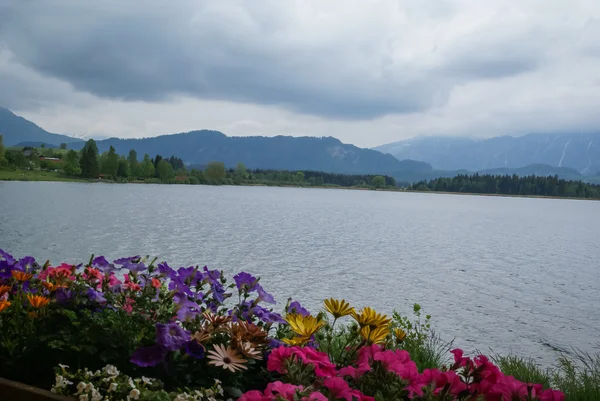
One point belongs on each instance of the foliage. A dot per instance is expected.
(378, 181)
(215, 173)
(71, 164)
(147, 167)
(165, 170)
(133, 163)
(124, 169)
(88, 161)
(63, 146)
(511, 185)
(1, 150)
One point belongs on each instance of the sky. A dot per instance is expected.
(367, 72)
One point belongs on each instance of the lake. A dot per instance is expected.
(508, 274)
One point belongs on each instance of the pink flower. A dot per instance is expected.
(284, 390)
(355, 373)
(338, 388)
(254, 395)
(155, 283)
(130, 285)
(277, 358)
(128, 307)
(510, 388)
(320, 361)
(113, 280)
(361, 397)
(366, 354)
(316, 396)
(459, 361)
(552, 395)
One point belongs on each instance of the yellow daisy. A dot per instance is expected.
(400, 334)
(296, 341)
(304, 326)
(338, 308)
(374, 336)
(368, 317)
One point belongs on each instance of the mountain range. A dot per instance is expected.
(577, 151)
(570, 156)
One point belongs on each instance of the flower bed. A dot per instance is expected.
(136, 330)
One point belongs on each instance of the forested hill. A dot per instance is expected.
(511, 185)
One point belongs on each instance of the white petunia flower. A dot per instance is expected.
(131, 384)
(96, 396)
(80, 387)
(134, 394)
(111, 370)
(89, 387)
(113, 387)
(146, 380)
(83, 397)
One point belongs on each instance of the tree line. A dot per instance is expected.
(510, 185)
(90, 163)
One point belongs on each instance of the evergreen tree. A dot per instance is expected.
(1, 150)
(90, 167)
(133, 163)
(63, 145)
(110, 163)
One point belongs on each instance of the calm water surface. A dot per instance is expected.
(511, 274)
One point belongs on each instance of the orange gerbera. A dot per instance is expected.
(4, 305)
(21, 275)
(4, 289)
(37, 301)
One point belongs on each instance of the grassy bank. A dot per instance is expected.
(35, 175)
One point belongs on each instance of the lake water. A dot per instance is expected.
(508, 274)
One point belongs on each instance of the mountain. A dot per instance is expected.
(15, 129)
(577, 151)
(279, 152)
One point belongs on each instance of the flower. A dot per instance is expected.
(37, 301)
(264, 296)
(171, 336)
(21, 275)
(295, 341)
(113, 387)
(4, 305)
(134, 394)
(338, 308)
(245, 282)
(195, 349)
(148, 356)
(374, 336)
(304, 326)
(368, 317)
(277, 358)
(95, 296)
(227, 358)
(399, 334)
(155, 282)
(338, 387)
(4, 289)
(295, 307)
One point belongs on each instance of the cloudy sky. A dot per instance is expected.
(368, 72)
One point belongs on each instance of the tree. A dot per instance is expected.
(300, 176)
(90, 167)
(63, 145)
(378, 181)
(133, 163)
(215, 173)
(123, 170)
(71, 166)
(241, 172)
(110, 163)
(165, 170)
(43, 145)
(1, 150)
(146, 167)
(157, 160)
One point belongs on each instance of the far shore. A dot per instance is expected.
(53, 177)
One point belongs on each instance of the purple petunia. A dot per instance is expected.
(245, 281)
(295, 307)
(95, 296)
(100, 263)
(25, 264)
(195, 349)
(5, 269)
(171, 336)
(186, 309)
(264, 296)
(122, 261)
(7, 257)
(264, 315)
(148, 356)
(63, 296)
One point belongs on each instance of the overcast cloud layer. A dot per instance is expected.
(367, 72)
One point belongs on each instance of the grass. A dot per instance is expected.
(34, 175)
(577, 376)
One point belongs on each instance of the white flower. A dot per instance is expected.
(97, 373)
(134, 394)
(131, 384)
(61, 382)
(63, 367)
(181, 397)
(113, 387)
(89, 387)
(80, 387)
(111, 370)
(146, 380)
(208, 392)
(96, 396)
(83, 397)
(88, 374)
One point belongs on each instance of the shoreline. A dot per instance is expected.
(56, 178)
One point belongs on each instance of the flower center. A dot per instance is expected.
(227, 360)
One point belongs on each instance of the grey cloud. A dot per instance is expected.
(243, 51)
